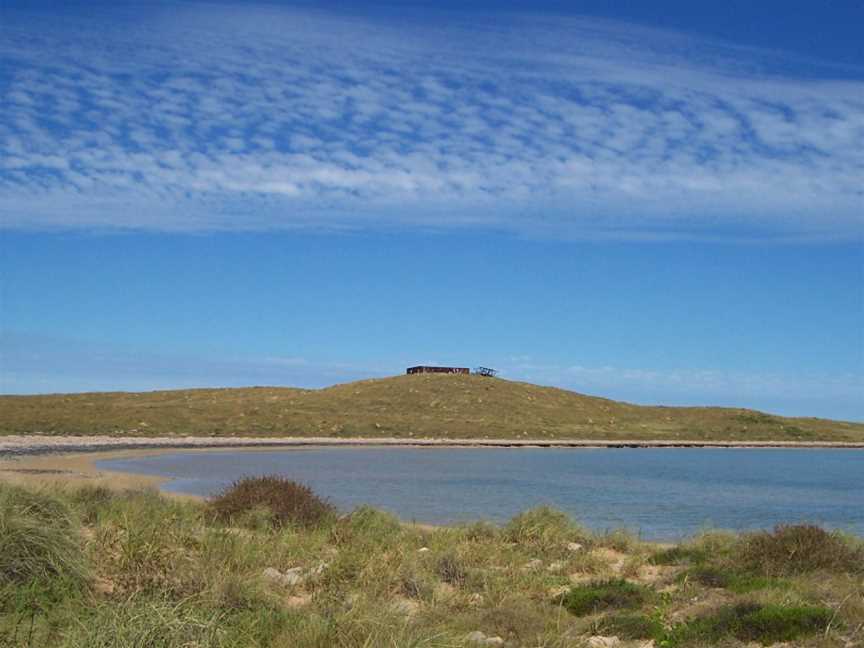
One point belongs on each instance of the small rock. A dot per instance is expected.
(103, 586)
(423, 550)
(317, 571)
(475, 599)
(574, 546)
(298, 601)
(598, 641)
(286, 579)
(405, 606)
(481, 639)
(536, 563)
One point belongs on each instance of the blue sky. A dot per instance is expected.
(661, 206)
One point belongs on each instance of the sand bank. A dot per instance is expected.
(18, 445)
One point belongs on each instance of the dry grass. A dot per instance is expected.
(164, 573)
(790, 550)
(404, 406)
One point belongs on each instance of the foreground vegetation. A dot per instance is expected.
(441, 406)
(270, 564)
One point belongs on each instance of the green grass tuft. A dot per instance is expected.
(740, 583)
(39, 539)
(544, 528)
(595, 597)
(147, 624)
(629, 626)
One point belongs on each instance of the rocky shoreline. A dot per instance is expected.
(29, 445)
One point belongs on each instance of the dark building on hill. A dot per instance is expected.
(444, 370)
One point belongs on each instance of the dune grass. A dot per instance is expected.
(93, 568)
(39, 540)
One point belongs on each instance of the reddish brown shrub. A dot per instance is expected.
(286, 502)
(798, 549)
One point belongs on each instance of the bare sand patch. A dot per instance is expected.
(77, 469)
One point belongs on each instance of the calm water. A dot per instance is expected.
(662, 493)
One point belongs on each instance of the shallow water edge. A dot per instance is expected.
(661, 493)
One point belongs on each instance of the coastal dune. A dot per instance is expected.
(421, 409)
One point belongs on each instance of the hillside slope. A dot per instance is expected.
(444, 406)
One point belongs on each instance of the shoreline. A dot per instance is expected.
(12, 446)
(78, 469)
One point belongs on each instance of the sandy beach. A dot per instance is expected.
(23, 445)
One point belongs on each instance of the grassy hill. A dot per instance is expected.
(404, 406)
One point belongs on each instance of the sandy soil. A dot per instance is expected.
(73, 469)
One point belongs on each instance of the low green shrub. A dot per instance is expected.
(39, 539)
(629, 626)
(285, 502)
(740, 583)
(790, 550)
(749, 622)
(604, 595)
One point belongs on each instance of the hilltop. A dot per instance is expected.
(441, 406)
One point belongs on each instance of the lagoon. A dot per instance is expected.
(661, 493)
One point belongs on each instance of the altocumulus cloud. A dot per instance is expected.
(218, 117)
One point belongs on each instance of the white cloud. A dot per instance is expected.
(835, 395)
(230, 118)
